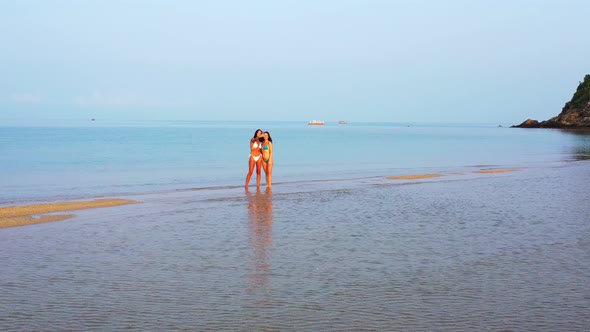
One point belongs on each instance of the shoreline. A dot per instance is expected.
(24, 215)
(13, 216)
(436, 175)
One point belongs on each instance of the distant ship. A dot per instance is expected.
(342, 122)
(316, 123)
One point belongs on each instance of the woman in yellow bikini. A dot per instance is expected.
(267, 158)
(255, 158)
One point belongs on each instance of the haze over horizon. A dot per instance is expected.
(391, 61)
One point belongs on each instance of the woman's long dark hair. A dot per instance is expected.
(257, 130)
(269, 138)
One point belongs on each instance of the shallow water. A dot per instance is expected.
(462, 252)
(103, 159)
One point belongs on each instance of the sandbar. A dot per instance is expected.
(435, 175)
(494, 171)
(415, 176)
(11, 216)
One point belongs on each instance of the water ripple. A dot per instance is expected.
(493, 254)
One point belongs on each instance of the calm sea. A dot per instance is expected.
(335, 246)
(95, 159)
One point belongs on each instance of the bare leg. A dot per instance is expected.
(250, 170)
(258, 174)
(268, 171)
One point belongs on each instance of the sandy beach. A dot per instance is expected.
(12, 216)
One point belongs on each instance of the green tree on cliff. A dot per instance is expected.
(582, 95)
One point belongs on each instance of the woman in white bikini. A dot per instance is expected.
(255, 158)
(267, 158)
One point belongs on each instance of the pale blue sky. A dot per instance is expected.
(364, 60)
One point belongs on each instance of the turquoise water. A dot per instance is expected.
(95, 159)
(335, 246)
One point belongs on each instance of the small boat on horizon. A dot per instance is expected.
(342, 122)
(316, 123)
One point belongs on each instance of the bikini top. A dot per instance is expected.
(255, 145)
(265, 147)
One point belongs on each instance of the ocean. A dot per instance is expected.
(118, 158)
(336, 245)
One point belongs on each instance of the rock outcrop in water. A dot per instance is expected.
(575, 113)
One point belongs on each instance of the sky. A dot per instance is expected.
(470, 61)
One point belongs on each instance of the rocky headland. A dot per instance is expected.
(575, 113)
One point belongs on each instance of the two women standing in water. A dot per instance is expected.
(261, 155)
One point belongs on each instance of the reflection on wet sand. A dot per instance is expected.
(581, 150)
(580, 155)
(260, 236)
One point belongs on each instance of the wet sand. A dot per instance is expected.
(415, 176)
(11, 216)
(435, 175)
(495, 235)
(494, 171)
